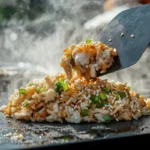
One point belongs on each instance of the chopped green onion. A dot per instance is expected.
(84, 112)
(25, 104)
(137, 95)
(107, 90)
(58, 86)
(102, 104)
(122, 94)
(103, 96)
(22, 91)
(88, 41)
(61, 86)
(107, 118)
(65, 138)
(94, 99)
(117, 96)
(40, 89)
(129, 88)
(65, 86)
(30, 84)
(71, 58)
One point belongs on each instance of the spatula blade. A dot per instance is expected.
(129, 33)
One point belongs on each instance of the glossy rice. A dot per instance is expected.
(78, 95)
(88, 59)
(56, 98)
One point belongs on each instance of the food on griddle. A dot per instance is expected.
(88, 59)
(56, 98)
(78, 95)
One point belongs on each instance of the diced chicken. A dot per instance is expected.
(50, 95)
(87, 58)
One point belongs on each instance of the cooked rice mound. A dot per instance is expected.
(87, 59)
(56, 98)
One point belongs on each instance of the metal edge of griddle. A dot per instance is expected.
(118, 140)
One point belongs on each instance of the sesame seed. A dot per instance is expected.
(122, 34)
(117, 119)
(86, 66)
(110, 40)
(132, 35)
(114, 50)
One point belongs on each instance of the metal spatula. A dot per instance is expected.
(129, 33)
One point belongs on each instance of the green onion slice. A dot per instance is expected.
(25, 104)
(137, 95)
(66, 138)
(60, 86)
(71, 58)
(107, 90)
(30, 84)
(103, 96)
(84, 112)
(117, 96)
(129, 88)
(107, 118)
(88, 41)
(94, 99)
(22, 91)
(122, 94)
(40, 89)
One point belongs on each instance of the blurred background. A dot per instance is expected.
(33, 34)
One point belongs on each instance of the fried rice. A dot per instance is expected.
(56, 98)
(87, 59)
(78, 95)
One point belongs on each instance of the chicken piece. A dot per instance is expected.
(87, 59)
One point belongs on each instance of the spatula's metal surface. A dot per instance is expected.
(134, 22)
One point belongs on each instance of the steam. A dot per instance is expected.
(38, 45)
(41, 41)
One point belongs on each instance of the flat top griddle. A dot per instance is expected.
(16, 134)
